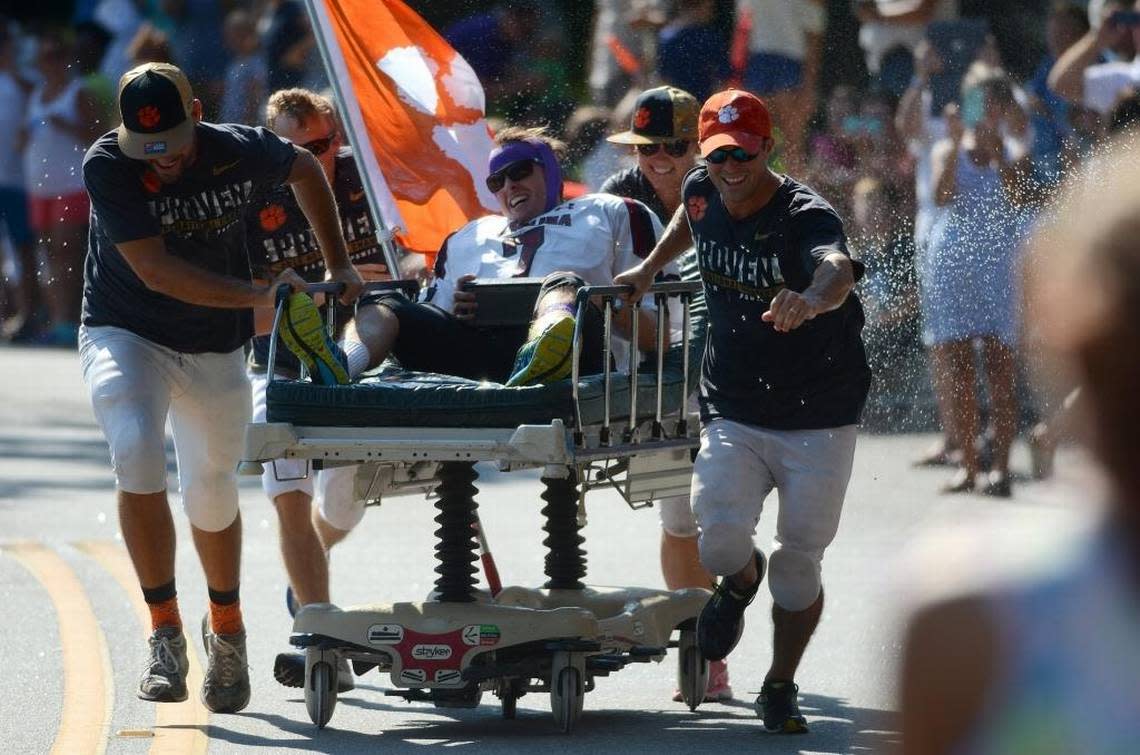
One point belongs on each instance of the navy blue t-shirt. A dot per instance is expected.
(279, 237)
(200, 219)
(632, 183)
(815, 376)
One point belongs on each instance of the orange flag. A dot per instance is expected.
(414, 111)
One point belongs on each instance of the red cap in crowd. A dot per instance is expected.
(734, 118)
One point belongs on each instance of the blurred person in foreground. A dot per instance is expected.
(783, 383)
(663, 135)
(1050, 663)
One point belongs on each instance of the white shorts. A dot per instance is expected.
(676, 512)
(335, 486)
(135, 384)
(738, 465)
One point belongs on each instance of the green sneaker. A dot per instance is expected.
(303, 330)
(546, 357)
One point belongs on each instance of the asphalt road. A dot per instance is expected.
(72, 638)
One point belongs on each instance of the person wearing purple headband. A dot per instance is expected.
(583, 241)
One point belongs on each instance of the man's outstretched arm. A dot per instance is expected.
(832, 281)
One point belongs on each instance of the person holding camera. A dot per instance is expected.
(983, 178)
(1084, 76)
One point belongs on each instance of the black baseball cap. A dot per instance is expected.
(661, 114)
(155, 105)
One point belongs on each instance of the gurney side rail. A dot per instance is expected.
(610, 302)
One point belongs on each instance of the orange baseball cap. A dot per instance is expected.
(734, 118)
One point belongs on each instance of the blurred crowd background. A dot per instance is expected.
(870, 97)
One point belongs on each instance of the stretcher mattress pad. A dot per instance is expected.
(401, 398)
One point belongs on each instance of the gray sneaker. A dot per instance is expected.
(226, 686)
(164, 676)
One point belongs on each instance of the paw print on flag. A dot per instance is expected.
(151, 182)
(641, 118)
(149, 116)
(417, 108)
(272, 217)
(727, 114)
(696, 207)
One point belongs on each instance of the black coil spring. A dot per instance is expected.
(456, 548)
(565, 561)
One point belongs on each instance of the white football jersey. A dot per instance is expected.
(595, 237)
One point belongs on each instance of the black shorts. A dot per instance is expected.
(434, 340)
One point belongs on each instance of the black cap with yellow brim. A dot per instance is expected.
(155, 105)
(662, 114)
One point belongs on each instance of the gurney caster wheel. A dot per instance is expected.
(567, 691)
(320, 688)
(509, 693)
(692, 669)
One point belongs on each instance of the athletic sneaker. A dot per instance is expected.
(718, 690)
(303, 330)
(289, 671)
(722, 619)
(546, 357)
(778, 707)
(164, 676)
(226, 686)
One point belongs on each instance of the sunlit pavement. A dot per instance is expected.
(73, 640)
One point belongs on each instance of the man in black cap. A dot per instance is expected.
(167, 307)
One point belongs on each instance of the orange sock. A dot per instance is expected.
(164, 614)
(225, 619)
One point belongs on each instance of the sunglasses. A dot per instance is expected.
(320, 146)
(516, 171)
(739, 154)
(674, 149)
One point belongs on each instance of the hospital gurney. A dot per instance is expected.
(411, 432)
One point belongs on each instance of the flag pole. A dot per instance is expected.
(354, 139)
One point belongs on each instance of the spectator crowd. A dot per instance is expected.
(940, 160)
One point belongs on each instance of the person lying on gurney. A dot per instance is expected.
(584, 241)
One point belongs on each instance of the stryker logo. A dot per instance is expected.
(431, 652)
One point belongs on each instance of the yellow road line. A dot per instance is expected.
(87, 690)
(178, 727)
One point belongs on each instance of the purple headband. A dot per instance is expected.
(531, 149)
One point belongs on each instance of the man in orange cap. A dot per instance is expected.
(783, 383)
